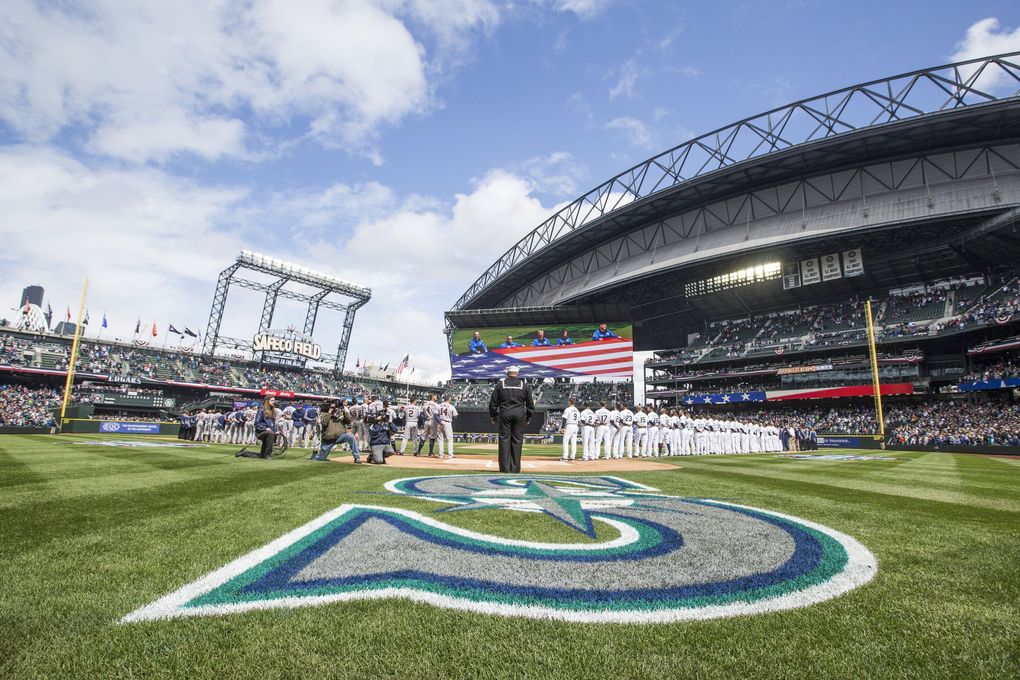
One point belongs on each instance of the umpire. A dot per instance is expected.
(512, 406)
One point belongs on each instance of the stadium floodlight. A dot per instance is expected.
(299, 273)
(285, 273)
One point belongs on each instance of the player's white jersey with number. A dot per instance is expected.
(447, 412)
(571, 416)
(588, 417)
(602, 417)
(411, 412)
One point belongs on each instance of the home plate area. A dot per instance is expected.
(528, 463)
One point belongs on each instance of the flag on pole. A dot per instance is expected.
(357, 364)
(26, 309)
(188, 331)
(154, 331)
(386, 367)
(138, 327)
(49, 314)
(85, 321)
(104, 320)
(68, 315)
(174, 330)
(403, 364)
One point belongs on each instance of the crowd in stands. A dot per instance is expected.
(146, 363)
(22, 406)
(916, 314)
(1007, 366)
(955, 423)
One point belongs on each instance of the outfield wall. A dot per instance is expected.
(478, 421)
(24, 430)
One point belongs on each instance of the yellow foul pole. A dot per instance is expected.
(875, 383)
(69, 383)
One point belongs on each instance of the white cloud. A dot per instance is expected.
(150, 243)
(635, 131)
(557, 174)
(586, 9)
(629, 75)
(984, 39)
(150, 80)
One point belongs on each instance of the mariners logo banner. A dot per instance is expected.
(601, 350)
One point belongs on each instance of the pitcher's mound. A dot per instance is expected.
(528, 463)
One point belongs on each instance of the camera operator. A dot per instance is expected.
(335, 422)
(381, 437)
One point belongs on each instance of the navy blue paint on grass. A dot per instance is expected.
(806, 557)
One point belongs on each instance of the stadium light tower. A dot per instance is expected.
(285, 273)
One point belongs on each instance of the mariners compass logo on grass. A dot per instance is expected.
(641, 557)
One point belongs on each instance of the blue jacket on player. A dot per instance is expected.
(298, 416)
(507, 345)
(477, 346)
(564, 341)
(600, 334)
(541, 342)
(311, 415)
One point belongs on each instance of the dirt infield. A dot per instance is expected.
(528, 463)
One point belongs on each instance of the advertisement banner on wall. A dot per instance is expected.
(122, 427)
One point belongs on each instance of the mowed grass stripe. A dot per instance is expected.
(901, 489)
(946, 477)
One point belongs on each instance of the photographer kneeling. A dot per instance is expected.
(380, 437)
(335, 421)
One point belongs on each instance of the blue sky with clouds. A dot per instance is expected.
(401, 144)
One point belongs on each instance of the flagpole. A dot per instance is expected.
(74, 355)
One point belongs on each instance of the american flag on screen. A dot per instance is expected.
(609, 358)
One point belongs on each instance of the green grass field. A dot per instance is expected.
(90, 533)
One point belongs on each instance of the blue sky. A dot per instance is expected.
(401, 144)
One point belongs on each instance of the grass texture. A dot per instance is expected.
(90, 533)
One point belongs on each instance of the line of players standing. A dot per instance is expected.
(643, 433)
(299, 423)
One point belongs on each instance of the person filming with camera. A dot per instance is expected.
(335, 422)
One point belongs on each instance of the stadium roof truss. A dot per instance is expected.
(285, 273)
(763, 150)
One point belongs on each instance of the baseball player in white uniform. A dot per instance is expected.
(602, 431)
(287, 424)
(626, 433)
(447, 412)
(587, 432)
(411, 412)
(653, 432)
(641, 421)
(571, 420)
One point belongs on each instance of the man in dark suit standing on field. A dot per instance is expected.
(511, 406)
